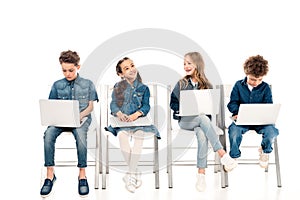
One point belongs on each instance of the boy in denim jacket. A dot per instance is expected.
(251, 89)
(72, 87)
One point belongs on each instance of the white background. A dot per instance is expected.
(33, 33)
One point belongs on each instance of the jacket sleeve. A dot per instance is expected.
(234, 103)
(114, 108)
(145, 108)
(175, 96)
(53, 92)
(268, 95)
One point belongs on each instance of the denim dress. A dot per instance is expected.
(136, 98)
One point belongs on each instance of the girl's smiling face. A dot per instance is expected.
(129, 72)
(189, 66)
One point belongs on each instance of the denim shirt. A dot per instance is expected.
(175, 96)
(79, 89)
(136, 98)
(241, 94)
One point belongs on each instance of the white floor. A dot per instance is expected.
(245, 182)
(22, 179)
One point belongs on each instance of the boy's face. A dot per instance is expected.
(70, 70)
(254, 81)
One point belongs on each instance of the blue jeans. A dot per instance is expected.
(268, 132)
(205, 132)
(80, 135)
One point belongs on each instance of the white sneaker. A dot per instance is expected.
(263, 158)
(201, 183)
(130, 183)
(136, 176)
(228, 162)
(138, 179)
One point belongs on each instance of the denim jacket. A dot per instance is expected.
(136, 98)
(241, 94)
(79, 89)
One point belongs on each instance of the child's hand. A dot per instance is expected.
(134, 116)
(123, 117)
(234, 117)
(81, 116)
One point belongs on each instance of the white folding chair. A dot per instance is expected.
(108, 161)
(175, 146)
(227, 88)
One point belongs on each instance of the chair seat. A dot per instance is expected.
(218, 130)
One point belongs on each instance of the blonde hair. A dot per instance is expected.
(203, 82)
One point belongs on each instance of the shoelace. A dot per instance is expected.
(228, 161)
(131, 181)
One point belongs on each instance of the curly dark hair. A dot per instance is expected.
(256, 66)
(69, 57)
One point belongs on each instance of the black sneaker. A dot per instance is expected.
(47, 187)
(83, 187)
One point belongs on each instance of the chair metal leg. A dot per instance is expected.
(217, 165)
(224, 177)
(107, 155)
(169, 159)
(156, 163)
(277, 163)
(224, 174)
(169, 141)
(105, 169)
(98, 159)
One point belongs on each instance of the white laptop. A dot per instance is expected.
(257, 114)
(141, 121)
(60, 113)
(195, 102)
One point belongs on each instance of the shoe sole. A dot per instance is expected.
(45, 196)
(199, 189)
(84, 196)
(264, 166)
(229, 169)
(129, 190)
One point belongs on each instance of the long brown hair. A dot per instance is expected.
(203, 82)
(121, 86)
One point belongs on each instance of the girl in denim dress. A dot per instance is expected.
(130, 100)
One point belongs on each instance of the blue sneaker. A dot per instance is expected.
(83, 187)
(47, 187)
